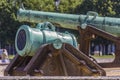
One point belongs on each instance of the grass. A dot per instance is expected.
(11, 56)
(104, 56)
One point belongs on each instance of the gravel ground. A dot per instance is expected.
(112, 71)
(109, 71)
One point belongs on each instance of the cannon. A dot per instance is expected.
(28, 40)
(89, 26)
(44, 52)
(71, 21)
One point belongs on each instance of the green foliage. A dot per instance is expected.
(105, 8)
(85, 6)
(68, 6)
(7, 22)
(102, 7)
(116, 7)
(40, 5)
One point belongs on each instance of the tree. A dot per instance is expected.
(40, 5)
(116, 7)
(102, 7)
(7, 22)
(68, 6)
(105, 8)
(85, 6)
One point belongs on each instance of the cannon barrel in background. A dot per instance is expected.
(65, 20)
(71, 21)
(28, 40)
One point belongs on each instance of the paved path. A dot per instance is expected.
(2, 68)
(112, 71)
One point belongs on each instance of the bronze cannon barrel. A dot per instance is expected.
(71, 21)
(28, 39)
